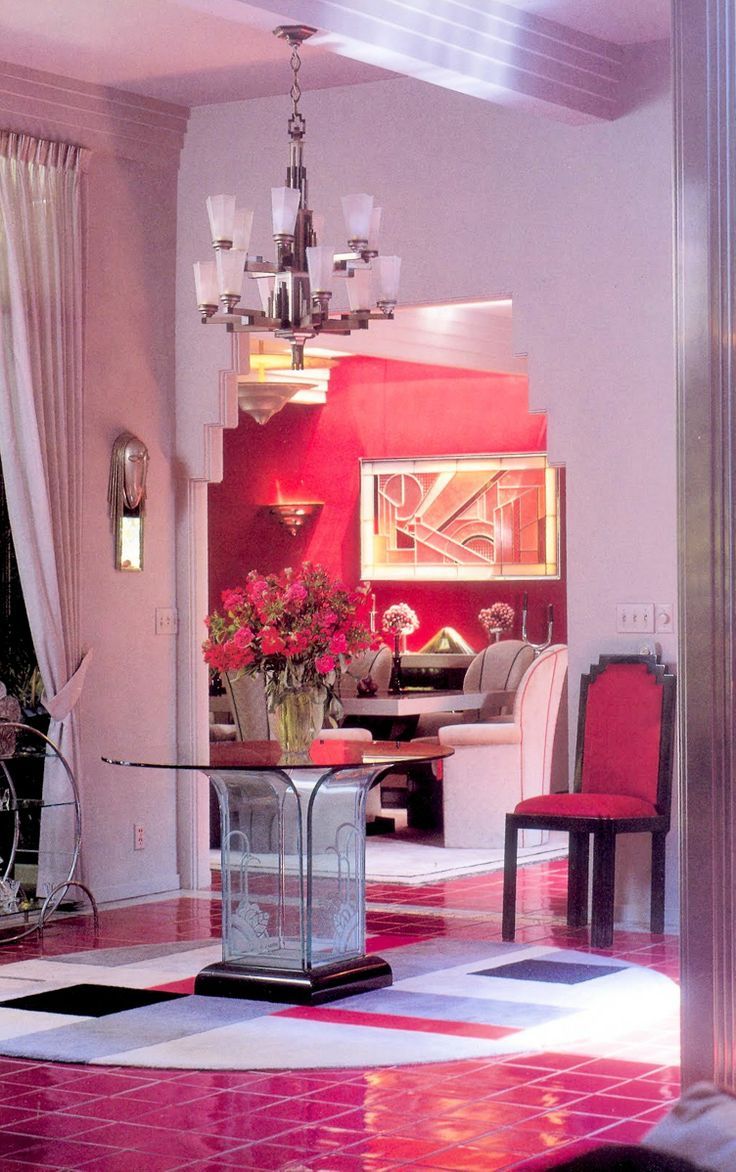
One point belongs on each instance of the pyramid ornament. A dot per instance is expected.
(447, 642)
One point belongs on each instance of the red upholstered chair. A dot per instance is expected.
(622, 785)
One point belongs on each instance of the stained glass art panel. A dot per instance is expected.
(459, 517)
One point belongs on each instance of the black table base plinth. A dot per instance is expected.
(298, 987)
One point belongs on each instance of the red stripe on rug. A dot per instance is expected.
(391, 1021)
(185, 986)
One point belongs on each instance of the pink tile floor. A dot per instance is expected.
(521, 1112)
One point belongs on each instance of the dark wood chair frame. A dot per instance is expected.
(603, 830)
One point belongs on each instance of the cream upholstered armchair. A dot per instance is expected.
(499, 667)
(496, 765)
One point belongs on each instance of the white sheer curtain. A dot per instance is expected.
(41, 431)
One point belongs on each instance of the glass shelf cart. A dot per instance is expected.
(40, 832)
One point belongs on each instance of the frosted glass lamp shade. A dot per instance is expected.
(360, 289)
(221, 211)
(284, 207)
(320, 262)
(357, 212)
(374, 229)
(242, 228)
(230, 269)
(388, 269)
(205, 280)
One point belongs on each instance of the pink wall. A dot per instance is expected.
(375, 409)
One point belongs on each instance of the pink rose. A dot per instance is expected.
(296, 592)
(232, 599)
(271, 641)
(324, 664)
(256, 588)
(338, 644)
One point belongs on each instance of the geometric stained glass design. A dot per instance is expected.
(459, 517)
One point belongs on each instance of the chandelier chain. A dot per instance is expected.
(297, 122)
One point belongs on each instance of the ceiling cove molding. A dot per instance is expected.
(487, 50)
(98, 117)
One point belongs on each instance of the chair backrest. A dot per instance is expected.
(536, 707)
(247, 696)
(376, 664)
(500, 666)
(625, 729)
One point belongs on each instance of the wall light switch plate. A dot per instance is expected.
(167, 620)
(635, 618)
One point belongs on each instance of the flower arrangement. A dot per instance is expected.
(498, 617)
(400, 619)
(299, 627)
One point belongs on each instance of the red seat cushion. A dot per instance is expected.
(587, 806)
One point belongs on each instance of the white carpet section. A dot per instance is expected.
(24, 977)
(272, 1043)
(409, 861)
(400, 860)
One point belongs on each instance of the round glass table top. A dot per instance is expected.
(326, 754)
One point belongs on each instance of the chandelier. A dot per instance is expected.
(295, 291)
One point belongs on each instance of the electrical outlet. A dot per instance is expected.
(167, 620)
(139, 837)
(635, 617)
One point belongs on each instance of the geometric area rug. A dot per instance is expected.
(450, 999)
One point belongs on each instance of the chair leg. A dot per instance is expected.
(508, 921)
(656, 907)
(578, 857)
(604, 870)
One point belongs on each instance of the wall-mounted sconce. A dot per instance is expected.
(293, 515)
(126, 499)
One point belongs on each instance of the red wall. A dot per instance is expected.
(375, 409)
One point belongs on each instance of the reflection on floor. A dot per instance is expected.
(476, 1114)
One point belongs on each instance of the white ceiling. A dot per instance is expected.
(625, 22)
(196, 52)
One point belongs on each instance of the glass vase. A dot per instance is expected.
(297, 718)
